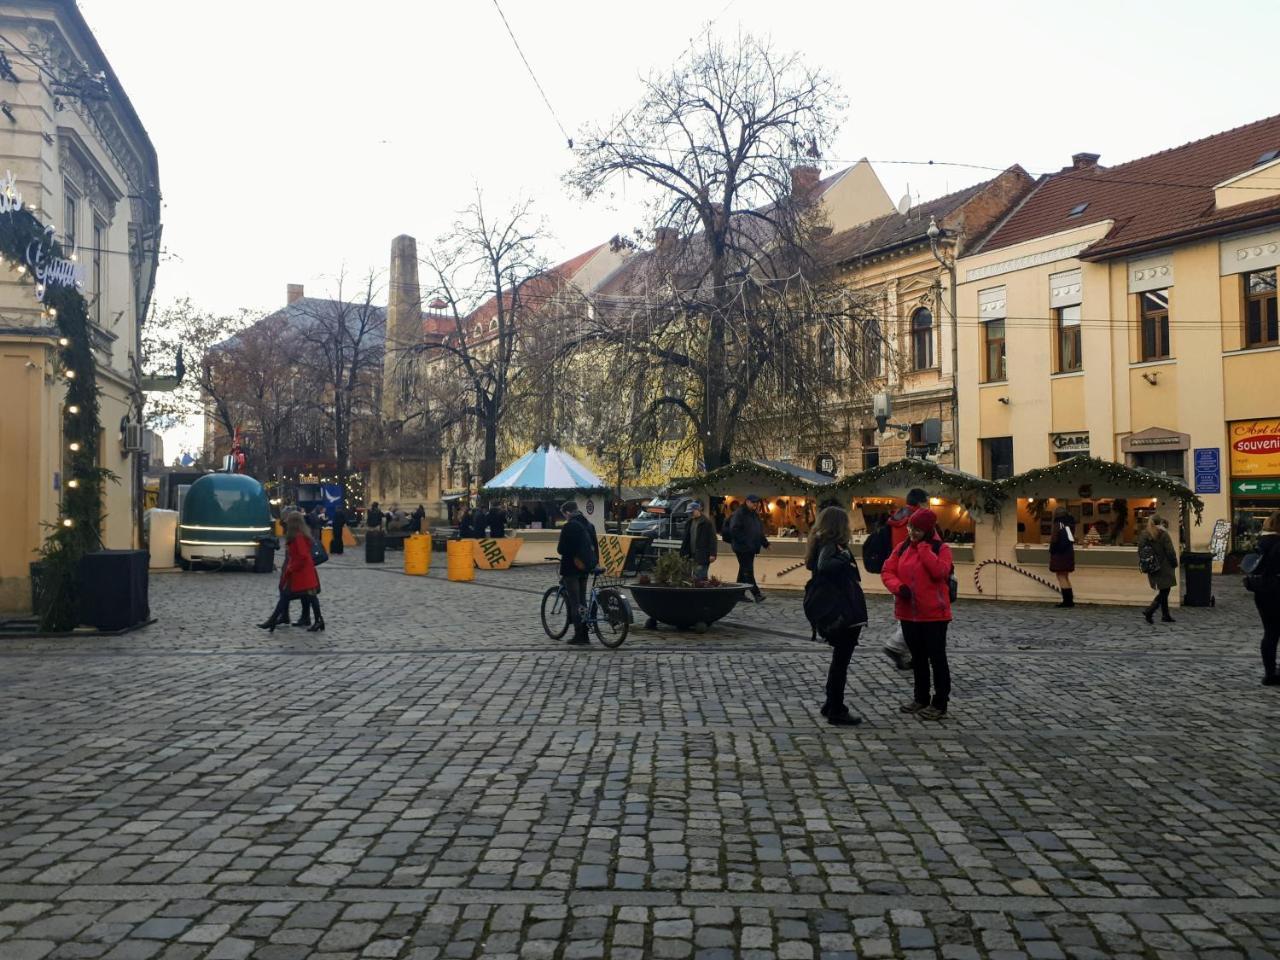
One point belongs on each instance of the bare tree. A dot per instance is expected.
(342, 343)
(732, 301)
(492, 281)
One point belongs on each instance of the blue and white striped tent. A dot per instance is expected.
(545, 470)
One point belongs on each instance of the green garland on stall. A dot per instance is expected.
(1091, 469)
(76, 531)
(972, 491)
(731, 471)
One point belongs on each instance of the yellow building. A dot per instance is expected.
(1129, 313)
(83, 162)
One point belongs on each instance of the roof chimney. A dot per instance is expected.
(665, 239)
(804, 180)
(294, 293)
(1084, 161)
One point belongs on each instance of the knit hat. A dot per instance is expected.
(569, 508)
(752, 498)
(925, 520)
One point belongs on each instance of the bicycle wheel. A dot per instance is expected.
(555, 612)
(610, 617)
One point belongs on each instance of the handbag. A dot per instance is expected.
(318, 553)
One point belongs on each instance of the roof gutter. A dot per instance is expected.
(1257, 218)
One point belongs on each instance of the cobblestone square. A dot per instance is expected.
(432, 777)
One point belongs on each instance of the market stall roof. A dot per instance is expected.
(765, 478)
(1085, 478)
(640, 493)
(545, 470)
(895, 479)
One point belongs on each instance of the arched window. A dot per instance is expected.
(921, 339)
(871, 343)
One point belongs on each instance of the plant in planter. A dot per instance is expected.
(671, 595)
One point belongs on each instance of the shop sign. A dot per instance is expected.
(1155, 439)
(1255, 448)
(1208, 470)
(1070, 442)
(825, 465)
(1255, 488)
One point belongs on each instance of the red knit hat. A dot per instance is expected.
(925, 520)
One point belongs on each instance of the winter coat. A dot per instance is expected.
(1062, 548)
(917, 566)
(299, 573)
(699, 541)
(745, 531)
(898, 524)
(1268, 566)
(837, 561)
(577, 546)
(497, 524)
(466, 526)
(374, 520)
(1166, 577)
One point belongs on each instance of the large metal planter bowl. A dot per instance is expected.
(682, 607)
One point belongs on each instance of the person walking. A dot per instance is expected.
(579, 553)
(1264, 583)
(699, 542)
(1159, 561)
(467, 525)
(417, 518)
(918, 575)
(829, 558)
(497, 522)
(745, 534)
(339, 526)
(298, 578)
(374, 519)
(315, 522)
(1062, 553)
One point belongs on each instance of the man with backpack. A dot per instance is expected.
(876, 551)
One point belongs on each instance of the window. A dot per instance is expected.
(1067, 324)
(99, 292)
(1170, 463)
(870, 452)
(1260, 324)
(993, 351)
(1078, 209)
(872, 339)
(921, 339)
(997, 458)
(1154, 307)
(70, 216)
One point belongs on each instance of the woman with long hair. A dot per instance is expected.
(1265, 585)
(298, 578)
(1062, 553)
(828, 557)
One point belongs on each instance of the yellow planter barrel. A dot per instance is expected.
(326, 538)
(461, 564)
(417, 554)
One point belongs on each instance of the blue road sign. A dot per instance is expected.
(1208, 469)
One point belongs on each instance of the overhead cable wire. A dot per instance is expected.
(533, 76)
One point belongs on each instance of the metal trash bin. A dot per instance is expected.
(264, 555)
(375, 547)
(1197, 579)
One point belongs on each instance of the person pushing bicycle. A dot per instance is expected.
(579, 553)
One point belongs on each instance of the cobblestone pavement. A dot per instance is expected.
(431, 777)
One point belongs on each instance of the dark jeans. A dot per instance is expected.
(1269, 611)
(928, 645)
(575, 585)
(842, 647)
(747, 570)
(335, 545)
(310, 606)
(1161, 601)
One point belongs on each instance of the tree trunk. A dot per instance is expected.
(714, 442)
(489, 465)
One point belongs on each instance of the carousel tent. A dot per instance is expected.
(548, 473)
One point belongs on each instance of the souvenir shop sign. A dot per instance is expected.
(1255, 448)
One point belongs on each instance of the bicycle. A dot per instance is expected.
(607, 614)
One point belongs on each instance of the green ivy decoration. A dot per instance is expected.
(76, 531)
(969, 491)
(1085, 469)
(791, 485)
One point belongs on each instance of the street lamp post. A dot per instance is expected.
(935, 234)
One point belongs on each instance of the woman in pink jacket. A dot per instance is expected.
(918, 573)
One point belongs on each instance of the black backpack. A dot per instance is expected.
(834, 601)
(876, 549)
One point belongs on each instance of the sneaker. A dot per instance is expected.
(1168, 620)
(845, 719)
(931, 713)
(912, 707)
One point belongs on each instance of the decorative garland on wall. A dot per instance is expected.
(29, 249)
(1086, 470)
(972, 492)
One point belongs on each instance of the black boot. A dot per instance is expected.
(1068, 597)
(579, 638)
(303, 621)
(317, 627)
(269, 624)
(1148, 613)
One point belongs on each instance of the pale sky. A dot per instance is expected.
(297, 137)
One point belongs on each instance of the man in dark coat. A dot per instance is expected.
(699, 543)
(339, 525)
(579, 553)
(745, 534)
(374, 520)
(497, 522)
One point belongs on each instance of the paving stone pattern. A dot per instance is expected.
(432, 777)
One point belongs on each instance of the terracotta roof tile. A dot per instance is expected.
(1151, 200)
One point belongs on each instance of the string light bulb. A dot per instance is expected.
(73, 446)
(68, 522)
(73, 484)
(73, 409)
(70, 374)
(22, 268)
(53, 311)
(64, 342)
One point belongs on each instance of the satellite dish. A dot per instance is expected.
(904, 204)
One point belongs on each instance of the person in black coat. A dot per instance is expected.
(339, 525)
(745, 534)
(1062, 553)
(699, 543)
(579, 553)
(497, 522)
(374, 519)
(830, 557)
(417, 518)
(1265, 581)
(466, 525)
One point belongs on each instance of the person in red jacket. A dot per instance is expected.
(298, 578)
(918, 574)
(917, 499)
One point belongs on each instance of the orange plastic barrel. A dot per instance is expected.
(460, 559)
